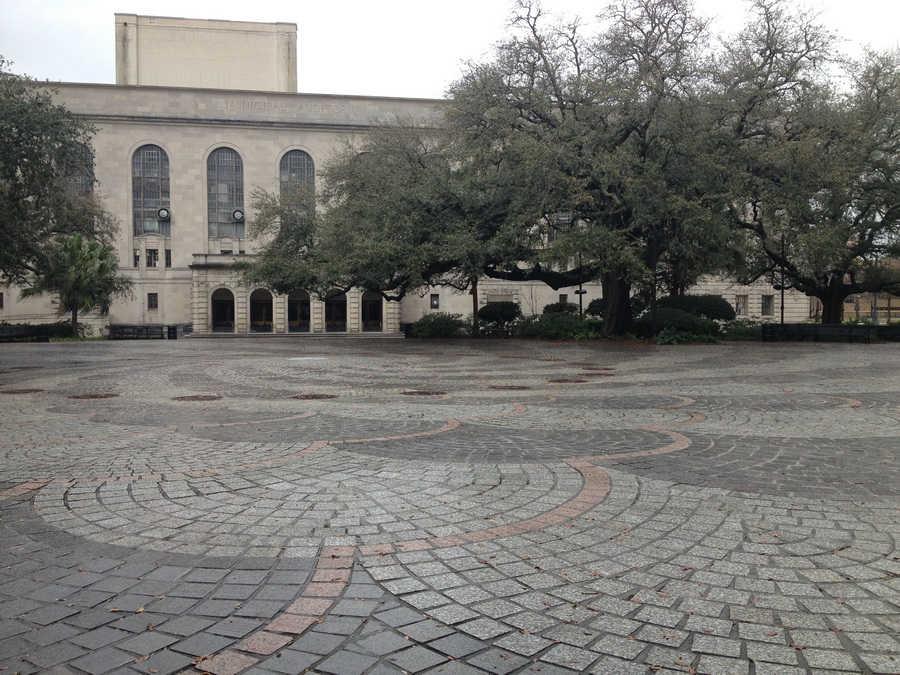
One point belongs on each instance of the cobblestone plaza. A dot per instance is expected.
(353, 505)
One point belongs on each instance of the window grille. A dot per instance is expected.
(225, 193)
(150, 190)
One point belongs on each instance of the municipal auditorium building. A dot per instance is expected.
(202, 113)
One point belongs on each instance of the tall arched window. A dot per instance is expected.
(297, 169)
(297, 174)
(82, 176)
(150, 189)
(225, 193)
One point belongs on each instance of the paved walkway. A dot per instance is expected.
(387, 506)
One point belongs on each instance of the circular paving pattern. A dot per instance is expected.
(449, 507)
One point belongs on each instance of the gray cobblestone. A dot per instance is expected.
(682, 518)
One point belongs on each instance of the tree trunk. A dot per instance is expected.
(832, 305)
(74, 322)
(617, 318)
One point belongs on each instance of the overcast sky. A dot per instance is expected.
(409, 48)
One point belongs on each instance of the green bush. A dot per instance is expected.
(708, 306)
(595, 308)
(561, 308)
(60, 329)
(500, 313)
(556, 326)
(674, 319)
(439, 325)
(670, 336)
(63, 329)
(742, 329)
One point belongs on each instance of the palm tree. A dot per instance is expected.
(83, 273)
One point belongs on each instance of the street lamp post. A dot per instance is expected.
(782, 286)
(656, 275)
(580, 292)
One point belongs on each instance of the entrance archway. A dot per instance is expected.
(222, 311)
(298, 312)
(335, 312)
(372, 314)
(260, 311)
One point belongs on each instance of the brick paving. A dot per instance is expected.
(377, 506)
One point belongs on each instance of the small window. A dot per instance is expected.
(152, 257)
(742, 305)
(168, 257)
(1, 300)
(563, 298)
(152, 301)
(558, 223)
(768, 305)
(137, 257)
(435, 301)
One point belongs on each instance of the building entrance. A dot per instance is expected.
(261, 311)
(372, 315)
(222, 311)
(336, 312)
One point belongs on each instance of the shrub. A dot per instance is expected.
(670, 336)
(561, 308)
(675, 319)
(500, 313)
(595, 308)
(557, 326)
(708, 306)
(439, 325)
(63, 329)
(742, 329)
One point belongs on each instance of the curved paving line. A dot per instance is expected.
(684, 401)
(679, 442)
(37, 483)
(850, 402)
(332, 573)
(308, 413)
(79, 441)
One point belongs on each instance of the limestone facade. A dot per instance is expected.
(173, 52)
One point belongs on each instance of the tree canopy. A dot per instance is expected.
(640, 152)
(822, 187)
(46, 175)
(84, 273)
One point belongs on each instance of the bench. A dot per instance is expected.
(125, 332)
(850, 332)
(25, 333)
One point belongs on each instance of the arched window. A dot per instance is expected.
(297, 169)
(150, 190)
(297, 174)
(225, 193)
(82, 176)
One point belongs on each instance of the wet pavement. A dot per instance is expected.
(371, 505)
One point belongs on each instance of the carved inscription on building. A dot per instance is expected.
(335, 109)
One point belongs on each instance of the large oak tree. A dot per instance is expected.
(634, 154)
(46, 175)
